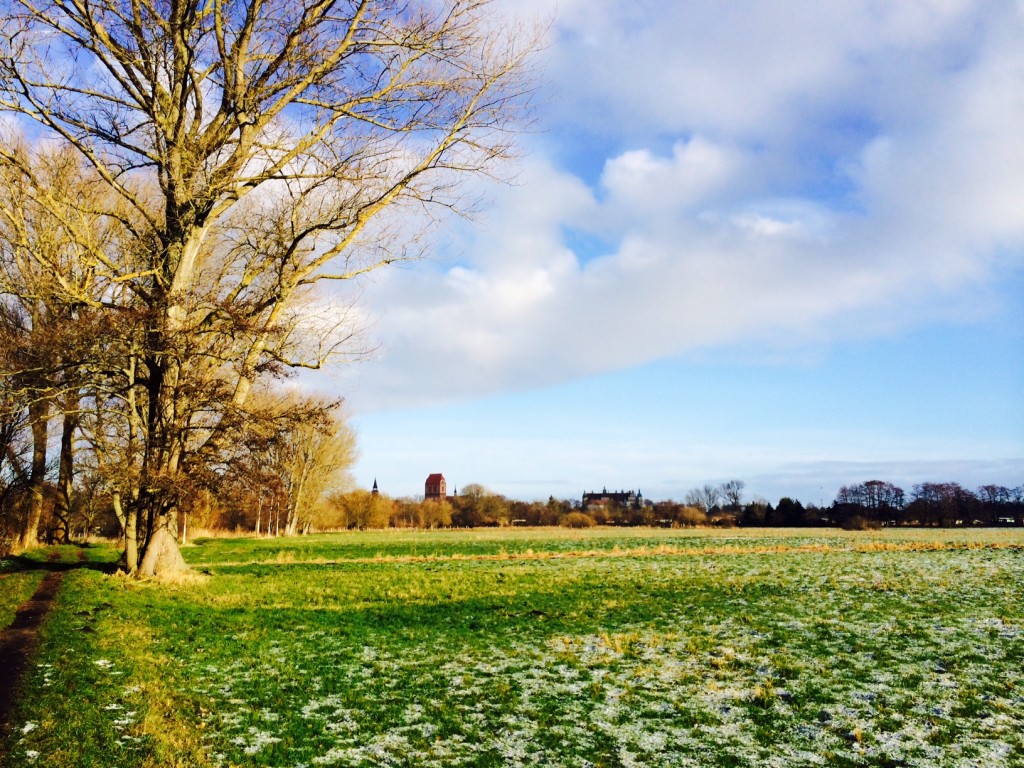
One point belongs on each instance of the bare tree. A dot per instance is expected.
(705, 497)
(47, 229)
(732, 492)
(308, 447)
(14, 447)
(362, 509)
(252, 149)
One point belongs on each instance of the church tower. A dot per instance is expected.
(435, 487)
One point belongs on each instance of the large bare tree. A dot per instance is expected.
(252, 149)
(48, 329)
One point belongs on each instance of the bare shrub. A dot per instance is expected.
(689, 517)
(578, 520)
(860, 523)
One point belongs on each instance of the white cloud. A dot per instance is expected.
(640, 183)
(748, 68)
(784, 172)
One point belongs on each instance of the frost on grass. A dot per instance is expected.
(254, 740)
(802, 661)
(122, 714)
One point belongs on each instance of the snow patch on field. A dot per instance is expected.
(848, 666)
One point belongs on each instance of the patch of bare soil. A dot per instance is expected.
(18, 642)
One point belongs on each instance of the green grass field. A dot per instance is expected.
(15, 588)
(535, 647)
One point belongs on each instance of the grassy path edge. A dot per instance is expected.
(18, 642)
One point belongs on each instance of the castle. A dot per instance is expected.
(625, 499)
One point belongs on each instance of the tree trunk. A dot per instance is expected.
(39, 416)
(291, 521)
(155, 504)
(65, 479)
(130, 526)
(162, 556)
(296, 499)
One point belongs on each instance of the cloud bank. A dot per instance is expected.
(772, 174)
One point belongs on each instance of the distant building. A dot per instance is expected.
(435, 487)
(606, 498)
(376, 490)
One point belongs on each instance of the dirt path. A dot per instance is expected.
(18, 642)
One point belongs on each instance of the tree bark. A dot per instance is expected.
(39, 414)
(129, 524)
(162, 557)
(65, 479)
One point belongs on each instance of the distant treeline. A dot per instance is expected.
(942, 504)
(263, 510)
(871, 504)
(874, 503)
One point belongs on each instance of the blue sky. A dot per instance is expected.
(780, 242)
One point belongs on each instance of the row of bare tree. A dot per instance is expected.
(868, 504)
(945, 504)
(290, 451)
(179, 184)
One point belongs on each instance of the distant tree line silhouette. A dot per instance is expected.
(871, 504)
(929, 504)
(876, 503)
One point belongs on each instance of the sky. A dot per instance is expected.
(780, 242)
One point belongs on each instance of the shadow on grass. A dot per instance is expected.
(65, 557)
